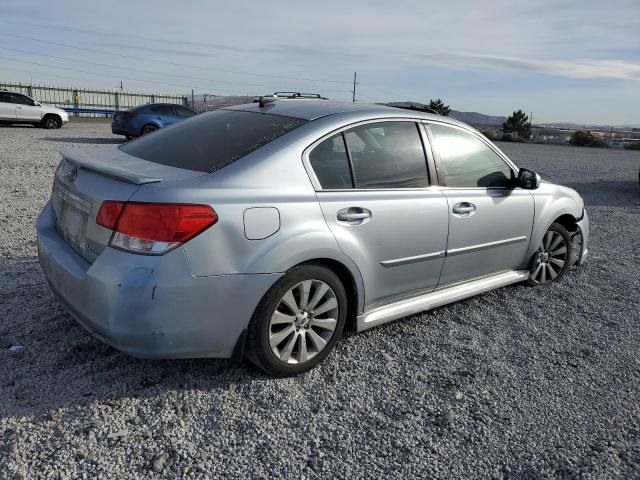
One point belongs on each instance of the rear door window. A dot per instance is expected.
(185, 112)
(387, 155)
(210, 141)
(5, 97)
(330, 163)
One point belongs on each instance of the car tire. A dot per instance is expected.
(51, 122)
(283, 342)
(553, 257)
(148, 128)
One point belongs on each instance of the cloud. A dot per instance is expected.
(582, 69)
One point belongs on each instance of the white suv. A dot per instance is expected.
(19, 108)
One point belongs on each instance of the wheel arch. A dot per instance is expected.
(355, 293)
(153, 124)
(553, 203)
(568, 221)
(52, 115)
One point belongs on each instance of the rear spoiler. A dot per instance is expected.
(112, 164)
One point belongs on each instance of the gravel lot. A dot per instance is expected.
(521, 383)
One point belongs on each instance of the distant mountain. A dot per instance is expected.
(472, 118)
(475, 118)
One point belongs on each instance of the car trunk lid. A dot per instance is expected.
(84, 180)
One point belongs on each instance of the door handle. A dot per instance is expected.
(354, 215)
(464, 209)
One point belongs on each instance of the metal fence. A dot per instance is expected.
(83, 102)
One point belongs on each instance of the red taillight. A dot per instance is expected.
(154, 227)
(109, 213)
(165, 222)
(129, 114)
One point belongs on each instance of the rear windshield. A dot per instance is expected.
(210, 141)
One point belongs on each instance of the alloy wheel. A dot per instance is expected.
(50, 123)
(303, 322)
(550, 258)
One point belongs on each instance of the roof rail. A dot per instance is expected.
(298, 95)
(265, 100)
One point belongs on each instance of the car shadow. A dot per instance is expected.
(86, 140)
(609, 193)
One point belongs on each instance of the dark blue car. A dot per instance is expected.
(147, 118)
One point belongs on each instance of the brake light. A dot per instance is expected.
(154, 228)
(129, 114)
(109, 213)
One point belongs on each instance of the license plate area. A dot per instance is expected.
(72, 213)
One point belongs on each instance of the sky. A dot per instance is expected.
(564, 60)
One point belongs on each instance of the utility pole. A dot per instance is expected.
(193, 99)
(120, 85)
(355, 82)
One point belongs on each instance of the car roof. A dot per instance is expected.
(307, 109)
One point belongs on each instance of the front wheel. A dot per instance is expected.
(552, 259)
(298, 321)
(50, 122)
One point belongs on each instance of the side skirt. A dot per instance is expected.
(437, 298)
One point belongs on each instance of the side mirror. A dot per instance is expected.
(528, 179)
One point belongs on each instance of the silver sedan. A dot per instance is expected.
(265, 230)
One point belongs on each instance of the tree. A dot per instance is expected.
(439, 107)
(518, 123)
(584, 138)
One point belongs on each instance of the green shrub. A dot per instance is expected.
(633, 146)
(584, 138)
(490, 134)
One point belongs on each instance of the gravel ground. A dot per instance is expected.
(520, 383)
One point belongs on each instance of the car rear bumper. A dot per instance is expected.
(149, 306)
(118, 129)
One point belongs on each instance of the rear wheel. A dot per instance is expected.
(148, 129)
(551, 260)
(51, 121)
(298, 321)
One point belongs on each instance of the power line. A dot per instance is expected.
(166, 62)
(119, 77)
(383, 91)
(147, 71)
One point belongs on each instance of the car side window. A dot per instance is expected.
(185, 112)
(5, 97)
(466, 161)
(163, 110)
(330, 163)
(22, 99)
(387, 155)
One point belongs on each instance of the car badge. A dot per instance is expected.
(70, 175)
